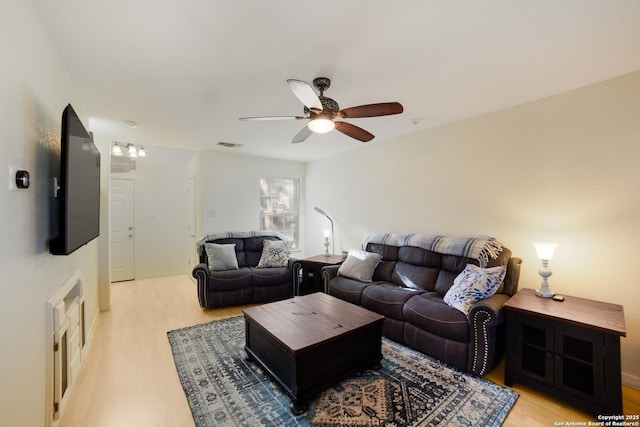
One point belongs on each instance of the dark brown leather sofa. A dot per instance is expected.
(248, 284)
(408, 288)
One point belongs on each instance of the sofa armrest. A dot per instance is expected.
(328, 272)
(512, 277)
(492, 307)
(295, 266)
(484, 318)
(201, 274)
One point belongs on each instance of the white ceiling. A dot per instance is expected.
(185, 71)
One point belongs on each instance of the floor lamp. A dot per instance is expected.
(333, 238)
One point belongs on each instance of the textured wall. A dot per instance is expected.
(562, 169)
(35, 88)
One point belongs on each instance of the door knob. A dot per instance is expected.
(130, 235)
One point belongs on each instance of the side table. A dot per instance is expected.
(311, 280)
(568, 349)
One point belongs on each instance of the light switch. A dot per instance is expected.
(22, 179)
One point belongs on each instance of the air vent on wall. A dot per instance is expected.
(229, 145)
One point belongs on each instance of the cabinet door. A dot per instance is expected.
(580, 363)
(534, 349)
(311, 278)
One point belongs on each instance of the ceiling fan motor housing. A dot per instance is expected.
(328, 105)
(322, 83)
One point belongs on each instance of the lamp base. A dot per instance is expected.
(545, 273)
(545, 294)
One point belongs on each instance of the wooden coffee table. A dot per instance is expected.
(310, 342)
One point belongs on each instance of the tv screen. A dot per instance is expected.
(78, 195)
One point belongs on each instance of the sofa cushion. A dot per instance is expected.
(270, 276)
(221, 257)
(347, 289)
(472, 285)
(415, 276)
(387, 299)
(429, 312)
(230, 279)
(384, 271)
(359, 265)
(451, 267)
(419, 256)
(388, 253)
(275, 253)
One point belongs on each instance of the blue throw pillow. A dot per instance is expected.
(474, 284)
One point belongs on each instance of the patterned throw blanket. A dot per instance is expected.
(480, 248)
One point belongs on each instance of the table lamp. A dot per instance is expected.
(545, 252)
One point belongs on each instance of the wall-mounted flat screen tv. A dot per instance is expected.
(78, 188)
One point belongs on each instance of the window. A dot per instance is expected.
(279, 207)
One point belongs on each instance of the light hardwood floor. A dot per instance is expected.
(129, 379)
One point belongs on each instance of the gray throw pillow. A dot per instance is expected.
(359, 265)
(221, 257)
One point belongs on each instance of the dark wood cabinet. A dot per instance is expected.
(569, 349)
(307, 273)
(310, 342)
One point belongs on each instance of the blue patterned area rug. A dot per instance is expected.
(411, 389)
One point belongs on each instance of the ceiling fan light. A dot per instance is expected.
(321, 125)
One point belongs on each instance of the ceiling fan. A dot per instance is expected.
(322, 112)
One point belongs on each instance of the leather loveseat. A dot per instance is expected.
(409, 285)
(247, 282)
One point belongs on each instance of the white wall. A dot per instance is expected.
(104, 243)
(35, 88)
(231, 192)
(160, 210)
(563, 169)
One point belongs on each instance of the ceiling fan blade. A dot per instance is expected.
(274, 118)
(305, 94)
(372, 110)
(301, 136)
(354, 131)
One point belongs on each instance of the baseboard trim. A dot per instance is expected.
(160, 274)
(631, 380)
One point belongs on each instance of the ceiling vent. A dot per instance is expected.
(229, 145)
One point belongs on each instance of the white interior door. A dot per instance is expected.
(122, 230)
(191, 224)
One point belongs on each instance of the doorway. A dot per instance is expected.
(122, 229)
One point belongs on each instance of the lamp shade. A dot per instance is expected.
(116, 150)
(321, 125)
(545, 250)
(321, 211)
